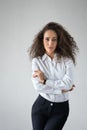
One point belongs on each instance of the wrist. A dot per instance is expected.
(43, 81)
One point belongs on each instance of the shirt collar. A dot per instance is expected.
(45, 56)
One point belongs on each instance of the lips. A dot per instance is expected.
(50, 47)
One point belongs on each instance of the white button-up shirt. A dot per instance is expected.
(58, 74)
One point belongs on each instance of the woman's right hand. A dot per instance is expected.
(39, 74)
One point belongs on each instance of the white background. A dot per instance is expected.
(20, 20)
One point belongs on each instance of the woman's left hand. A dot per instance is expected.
(64, 90)
(39, 74)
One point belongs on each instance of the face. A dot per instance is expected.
(50, 42)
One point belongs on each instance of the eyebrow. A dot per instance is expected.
(49, 37)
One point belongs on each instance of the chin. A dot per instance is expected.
(50, 52)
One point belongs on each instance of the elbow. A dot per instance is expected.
(38, 88)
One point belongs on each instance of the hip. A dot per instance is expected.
(42, 105)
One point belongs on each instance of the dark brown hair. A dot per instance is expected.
(66, 45)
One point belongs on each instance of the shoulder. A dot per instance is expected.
(68, 61)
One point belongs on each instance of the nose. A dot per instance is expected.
(50, 42)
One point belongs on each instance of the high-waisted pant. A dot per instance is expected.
(48, 115)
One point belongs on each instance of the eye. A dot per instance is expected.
(47, 39)
(54, 40)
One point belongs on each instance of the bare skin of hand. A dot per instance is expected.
(73, 86)
(39, 74)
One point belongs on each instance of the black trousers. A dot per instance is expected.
(48, 115)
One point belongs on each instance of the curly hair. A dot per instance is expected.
(66, 46)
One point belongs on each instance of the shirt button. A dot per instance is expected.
(51, 104)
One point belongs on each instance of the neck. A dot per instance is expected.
(51, 55)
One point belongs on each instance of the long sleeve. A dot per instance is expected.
(48, 89)
(67, 81)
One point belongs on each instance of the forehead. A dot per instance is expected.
(50, 33)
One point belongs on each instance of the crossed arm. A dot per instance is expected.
(40, 75)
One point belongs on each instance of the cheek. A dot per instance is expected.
(55, 45)
(45, 44)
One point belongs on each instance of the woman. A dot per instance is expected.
(53, 58)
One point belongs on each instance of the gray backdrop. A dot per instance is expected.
(20, 20)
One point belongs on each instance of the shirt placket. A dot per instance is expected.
(53, 76)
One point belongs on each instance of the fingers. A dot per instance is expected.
(34, 75)
(73, 85)
(71, 89)
(39, 74)
(36, 72)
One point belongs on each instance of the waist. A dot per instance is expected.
(55, 97)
